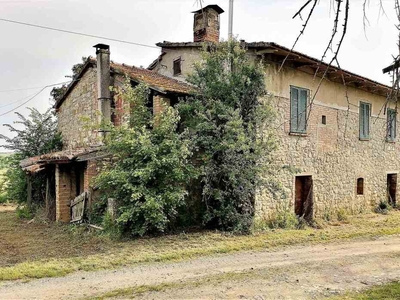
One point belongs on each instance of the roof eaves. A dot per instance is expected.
(89, 63)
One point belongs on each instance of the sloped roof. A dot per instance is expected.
(301, 61)
(155, 81)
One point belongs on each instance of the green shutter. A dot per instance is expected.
(391, 124)
(302, 111)
(365, 112)
(294, 96)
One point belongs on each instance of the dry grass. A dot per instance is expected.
(389, 291)
(39, 250)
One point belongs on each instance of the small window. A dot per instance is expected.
(360, 186)
(177, 66)
(365, 113)
(391, 125)
(324, 120)
(298, 109)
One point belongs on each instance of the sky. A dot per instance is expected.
(32, 58)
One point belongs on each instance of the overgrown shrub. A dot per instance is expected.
(230, 124)
(149, 168)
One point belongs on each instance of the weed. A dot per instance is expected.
(342, 215)
(383, 208)
(23, 212)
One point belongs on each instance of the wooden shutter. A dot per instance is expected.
(391, 124)
(367, 115)
(365, 112)
(294, 99)
(302, 111)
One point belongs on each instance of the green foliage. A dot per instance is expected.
(24, 212)
(38, 134)
(149, 167)
(34, 135)
(14, 185)
(229, 121)
(282, 219)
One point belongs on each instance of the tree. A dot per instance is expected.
(228, 119)
(149, 168)
(38, 135)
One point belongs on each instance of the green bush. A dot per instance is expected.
(230, 122)
(149, 167)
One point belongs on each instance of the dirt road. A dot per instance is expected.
(308, 272)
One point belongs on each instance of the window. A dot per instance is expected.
(324, 120)
(365, 113)
(177, 66)
(360, 186)
(298, 109)
(391, 125)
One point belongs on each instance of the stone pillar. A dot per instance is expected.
(90, 173)
(64, 188)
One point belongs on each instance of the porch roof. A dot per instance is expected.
(37, 163)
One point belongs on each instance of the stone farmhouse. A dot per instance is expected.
(337, 149)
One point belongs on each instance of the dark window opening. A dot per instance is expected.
(360, 186)
(391, 189)
(80, 178)
(303, 204)
(177, 66)
(324, 120)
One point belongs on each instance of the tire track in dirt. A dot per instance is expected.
(309, 259)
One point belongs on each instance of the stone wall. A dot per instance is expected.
(332, 154)
(78, 114)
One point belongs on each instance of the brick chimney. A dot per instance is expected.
(207, 24)
(103, 81)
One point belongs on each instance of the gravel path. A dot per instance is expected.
(307, 272)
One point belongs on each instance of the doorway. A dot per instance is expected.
(303, 204)
(391, 189)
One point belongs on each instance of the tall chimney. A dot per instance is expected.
(103, 81)
(207, 24)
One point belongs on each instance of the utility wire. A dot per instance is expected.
(32, 88)
(8, 104)
(77, 33)
(30, 99)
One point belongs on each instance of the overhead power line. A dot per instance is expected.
(31, 98)
(32, 88)
(77, 33)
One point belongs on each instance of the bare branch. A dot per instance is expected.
(302, 31)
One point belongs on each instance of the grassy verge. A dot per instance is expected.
(57, 252)
(389, 291)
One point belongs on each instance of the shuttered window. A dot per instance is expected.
(365, 113)
(298, 109)
(391, 124)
